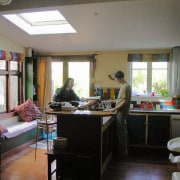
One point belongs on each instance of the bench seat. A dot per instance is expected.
(18, 128)
(19, 132)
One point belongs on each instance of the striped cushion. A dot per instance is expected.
(26, 110)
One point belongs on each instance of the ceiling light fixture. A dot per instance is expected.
(5, 2)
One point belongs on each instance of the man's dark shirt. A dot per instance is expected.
(63, 95)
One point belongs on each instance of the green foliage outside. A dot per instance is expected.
(163, 92)
(159, 82)
(81, 92)
(160, 87)
(139, 81)
(56, 86)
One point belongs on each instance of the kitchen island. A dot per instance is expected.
(87, 131)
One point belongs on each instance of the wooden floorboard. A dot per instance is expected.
(142, 164)
(22, 166)
(138, 166)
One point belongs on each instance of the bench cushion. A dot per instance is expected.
(19, 128)
(3, 129)
(8, 144)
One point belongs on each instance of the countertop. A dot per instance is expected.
(151, 111)
(80, 113)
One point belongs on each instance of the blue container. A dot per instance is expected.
(50, 135)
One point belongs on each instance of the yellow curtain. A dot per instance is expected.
(41, 80)
(44, 81)
(48, 83)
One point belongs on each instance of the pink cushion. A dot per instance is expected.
(38, 113)
(26, 110)
(3, 129)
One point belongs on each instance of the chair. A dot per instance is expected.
(47, 123)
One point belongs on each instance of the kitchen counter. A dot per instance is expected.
(150, 111)
(80, 113)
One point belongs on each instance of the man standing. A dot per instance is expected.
(122, 108)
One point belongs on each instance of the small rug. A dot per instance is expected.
(42, 144)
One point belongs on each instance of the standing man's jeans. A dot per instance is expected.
(121, 136)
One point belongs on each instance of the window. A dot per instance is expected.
(159, 78)
(149, 78)
(57, 75)
(80, 72)
(11, 85)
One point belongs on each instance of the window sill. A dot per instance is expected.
(151, 98)
(7, 115)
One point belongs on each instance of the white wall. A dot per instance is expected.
(8, 45)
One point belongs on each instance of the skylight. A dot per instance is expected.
(43, 22)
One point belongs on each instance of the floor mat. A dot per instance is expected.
(42, 144)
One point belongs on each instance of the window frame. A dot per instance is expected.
(149, 79)
(8, 73)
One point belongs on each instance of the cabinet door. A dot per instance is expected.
(158, 130)
(136, 129)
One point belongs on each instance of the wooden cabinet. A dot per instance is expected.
(149, 130)
(136, 129)
(158, 130)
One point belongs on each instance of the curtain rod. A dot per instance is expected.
(84, 55)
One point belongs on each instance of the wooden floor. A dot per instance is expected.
(141, 165)
(138, 166)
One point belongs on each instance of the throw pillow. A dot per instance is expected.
(37, 113)
(26, 110)
(3, 129)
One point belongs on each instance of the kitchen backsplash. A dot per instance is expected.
(106, 93)
(112, 93)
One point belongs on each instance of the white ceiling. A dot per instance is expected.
(123, 25)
